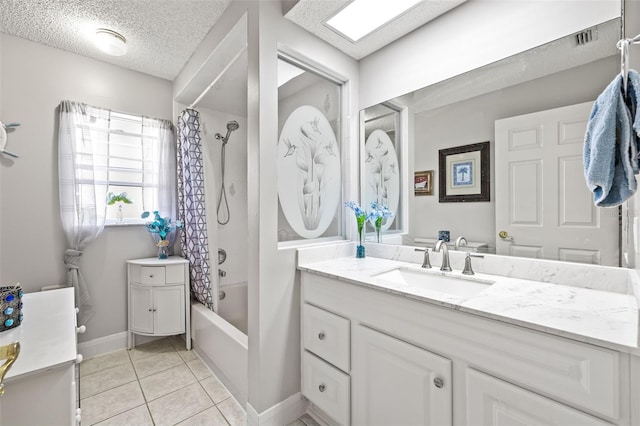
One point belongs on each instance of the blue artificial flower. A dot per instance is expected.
(356, 208)
(161, 225)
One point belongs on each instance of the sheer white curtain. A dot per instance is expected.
(83, 178)
(159, 142)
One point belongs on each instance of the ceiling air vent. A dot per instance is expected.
(586, 36)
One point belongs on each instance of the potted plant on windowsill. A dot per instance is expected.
(118, 198)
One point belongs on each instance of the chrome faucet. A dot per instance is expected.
(425, 261)
(459, 241)
(445, 255)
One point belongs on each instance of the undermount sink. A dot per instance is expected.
(463, 286)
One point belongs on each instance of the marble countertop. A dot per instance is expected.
(604, 318)
(47, 334)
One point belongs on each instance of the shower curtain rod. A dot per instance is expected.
(219, 76)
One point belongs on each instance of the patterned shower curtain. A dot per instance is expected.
(191, 205)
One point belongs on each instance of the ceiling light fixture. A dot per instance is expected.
(362, 17)
(111, 42)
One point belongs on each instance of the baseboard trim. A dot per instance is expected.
(281, 414)
(103, 345)
(110, 343)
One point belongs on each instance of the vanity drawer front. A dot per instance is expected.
(174, 274)
(152, 275)
(327, 387)
(575, 373)
(326, 335)
(492, 401)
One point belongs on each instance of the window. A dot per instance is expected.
(129, 165)
(309, 154)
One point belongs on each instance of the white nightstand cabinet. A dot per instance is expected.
(159, 299)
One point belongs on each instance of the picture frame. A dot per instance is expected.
(423, 182)
(464, 173)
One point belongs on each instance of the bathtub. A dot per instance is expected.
(221, 345)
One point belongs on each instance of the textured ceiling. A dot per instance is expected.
(161, 34)
(311, 15)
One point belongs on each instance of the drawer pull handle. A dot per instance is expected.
(321, 388)
(321, 335)
(438, 382)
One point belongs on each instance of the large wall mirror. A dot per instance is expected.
(515, 104)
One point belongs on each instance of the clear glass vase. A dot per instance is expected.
(163, 249)
(360, 249)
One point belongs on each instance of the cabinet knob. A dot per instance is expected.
(81, 329)
(321, 388)
(77, 310)
(150, 275)
(438, 382)
(79, 358)
(78, 415)
(150, 310)
(321, 335)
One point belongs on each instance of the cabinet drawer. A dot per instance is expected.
(491, 401)
(582, 375)
(152, 275)
(327, 387)
(174, 274)
(326, 335)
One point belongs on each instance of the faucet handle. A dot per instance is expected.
(425, 261)
(468, 270)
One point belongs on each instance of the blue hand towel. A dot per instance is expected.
(633, 103)
(610, 150)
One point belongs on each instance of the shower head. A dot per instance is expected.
(231, 126)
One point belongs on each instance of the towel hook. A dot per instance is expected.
(623, 45)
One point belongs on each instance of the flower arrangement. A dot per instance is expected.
(377, 214)
(161, 226)
(361, 218)
(118, 198)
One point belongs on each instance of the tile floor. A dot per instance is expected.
(158, 383)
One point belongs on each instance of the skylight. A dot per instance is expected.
(362, 17)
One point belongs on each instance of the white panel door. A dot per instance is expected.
(542, 201)
(169, 308)
(141, 309)
(396, 383)
(491, 401)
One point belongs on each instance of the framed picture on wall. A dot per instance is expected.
(423, 182)
(464, 173)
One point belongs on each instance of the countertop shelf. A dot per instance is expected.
(595, 316)
(47, 334)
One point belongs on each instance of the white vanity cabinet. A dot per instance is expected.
(158, 298)
(40, 387)
(413, 362)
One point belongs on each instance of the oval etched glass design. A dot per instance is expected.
(382, 174)
(308, 171)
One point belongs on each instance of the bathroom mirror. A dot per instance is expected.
(463, 110)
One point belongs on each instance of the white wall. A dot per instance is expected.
(274, 314)
(474, 34)
(472, 121)
(35, 78)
